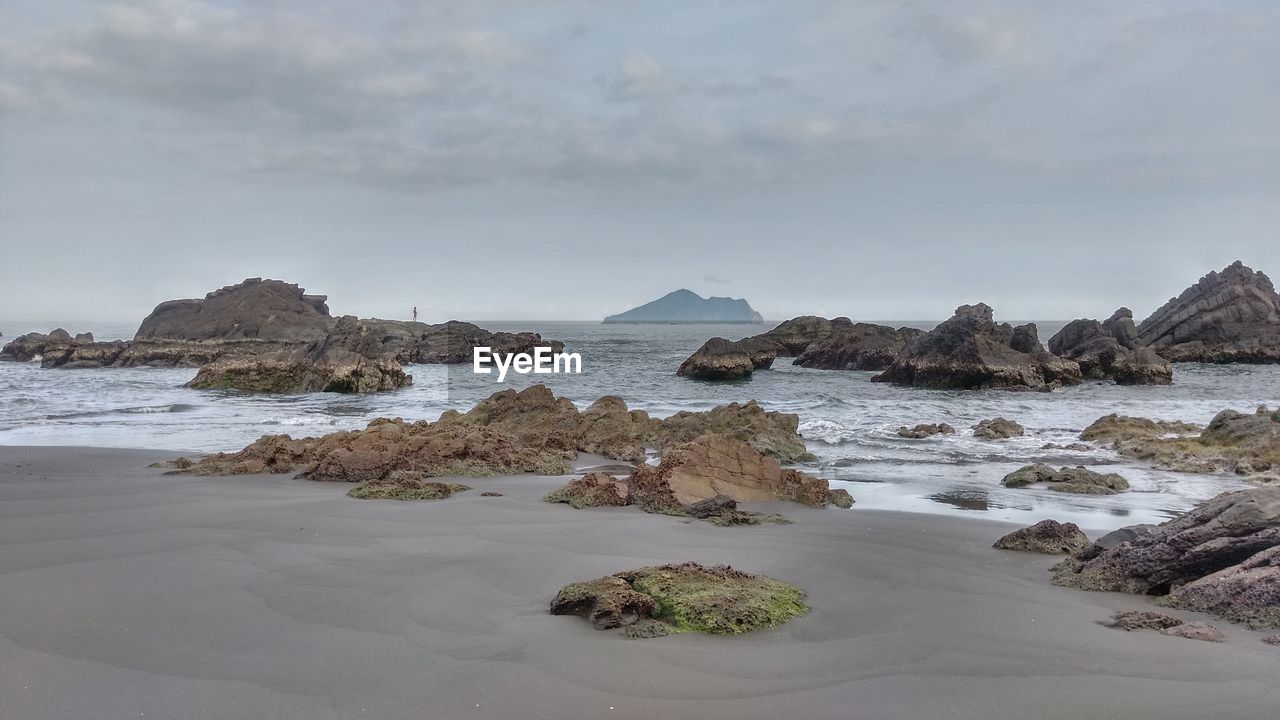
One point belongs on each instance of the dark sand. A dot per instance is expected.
(126, 594)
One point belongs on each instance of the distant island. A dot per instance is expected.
(686, 306)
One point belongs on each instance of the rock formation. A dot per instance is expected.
(592, 490)
(1220, 557)
(253, 309)
(1078, 480)
(686, 306)
(772, 433)
(919, 432)
(688, 597)
(792, 337)
(860, 346)
(972, 351)
(1109, 350)
(1228, 316)
(720, 359)
(998, 428)
(1047, 536)
(1246, 444)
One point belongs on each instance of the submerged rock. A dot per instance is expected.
(1047, 536)
(920, 432)
(1079, 480)
(972, 351)
(1219, 558)
(1228, 316)
(860, 346)
(998, 429)
(687, 597)
(1246, 444)
(1110, 350)
(720, 359)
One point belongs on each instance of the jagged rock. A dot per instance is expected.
(998, 429)
(1144, 620)
(334, 364)
(1248, 593)
(971, 351)
(923, 431)
(1110, 350)
(792, 337)
(1221, 541)
(687, 597)
(26, 348)
(490, 493)
(860, 346)
(775, 434)
(1228, 316)
(608, 428)
(255, 308)
(534, 416)
(592, 490)
(1195, 631)
(405, 485)
(1047, 536)
(1233, 441)
(1122, 535)
(720, 359)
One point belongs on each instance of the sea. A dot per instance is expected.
(848, 422)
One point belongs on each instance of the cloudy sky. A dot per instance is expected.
(563, 159)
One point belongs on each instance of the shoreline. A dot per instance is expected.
(128, 592)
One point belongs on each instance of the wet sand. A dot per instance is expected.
(127, 594)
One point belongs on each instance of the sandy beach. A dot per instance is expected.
(128, 594)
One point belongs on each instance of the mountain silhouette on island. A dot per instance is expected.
(686, 306)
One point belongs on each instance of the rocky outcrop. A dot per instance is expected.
(592, 490)
(1078, 480)
(998, 429)
(772, 433)
(1246, 444)
(608, 428)
(253, 309)
(1047, 536)
(860, 346)
(1109, 350)
(1228, 316)
(1219, 558)
(919, 432)
(688, 597)
(340, 362)
(720, 359)
(972, 351)
(792, 337)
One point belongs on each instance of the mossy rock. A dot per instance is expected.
(405, 486)
(687, 597)
(553, 467)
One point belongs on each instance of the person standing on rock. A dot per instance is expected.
(415, 313)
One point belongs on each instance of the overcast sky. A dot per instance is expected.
(535, 159)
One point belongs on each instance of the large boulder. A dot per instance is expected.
(1228, 316)
(1246, 444)
(972, 351)
(255, 308)
(792, 337)
(1109, 350)
(336, 363)
(720, 359)
(1047, 536)
(860, 346)
(1232, 532)
(1078, 480)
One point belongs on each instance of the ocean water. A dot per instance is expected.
(849, 422)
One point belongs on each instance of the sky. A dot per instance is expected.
(540, 159)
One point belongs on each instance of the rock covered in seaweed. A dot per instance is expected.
(686, 597)
(1047, 536)
(592, 490)
(1246, 444)
(998, 428)
(919, 432)
(1079, 480)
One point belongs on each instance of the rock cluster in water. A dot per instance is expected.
(1110, 350)
(1247, 444)
(1078, 480)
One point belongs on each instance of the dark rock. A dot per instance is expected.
(715, 505)
(923, 431)
(255, 308)
(1122, 535)
(1029, 475)
(998, 429)
(860, 346)
(971, 351)
(1077, 480)
(1047, 536)
(1109, 350)
(1228, 316)
(1144, 620)
(720, 359)
(792, 337)
(1248, 593)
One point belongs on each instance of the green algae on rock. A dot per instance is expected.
(686, 597)
(405, 485)
(1246, 444)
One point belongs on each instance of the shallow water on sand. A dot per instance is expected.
(848, 421)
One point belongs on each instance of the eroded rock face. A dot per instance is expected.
(860, 346)
(592, 490)
(972, 351)
(720, 359)
(608, 428)
(922, 431)
(1228, 316)
(1110, 350)
(1218, 557)
(716, 465)
(1078, 480)
(336, 363)
(1246, 444)
(687, 597)
(256, 309)
(1047, 536)
(998, 429)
